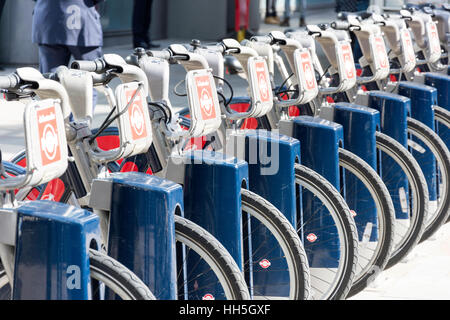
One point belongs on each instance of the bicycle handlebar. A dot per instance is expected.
(9, 82)
(340, 25)
(263, 39)
(162, 54)
(97, 65)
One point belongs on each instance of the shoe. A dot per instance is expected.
(302, 22)
(285, 23)
(271, 20)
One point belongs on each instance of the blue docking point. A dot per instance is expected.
(52, 251)
(394, 111)
(442, 83)
(360, 124)
(142, 230)
(320, 141)
(423, 98)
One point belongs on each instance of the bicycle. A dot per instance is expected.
(29, 227)
(89, 175)
(426, 146)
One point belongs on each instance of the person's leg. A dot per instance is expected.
(141, 22)
(287, 9)
(274, 8)
(268, 4)
(287, 13)
(52, 56)
(271, 13)
(301, 5)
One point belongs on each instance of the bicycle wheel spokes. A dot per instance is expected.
(409, 193)
(205, 269)
(275, 263)
(195, 278)
(329, 235)
(373, 212)
(264, 262)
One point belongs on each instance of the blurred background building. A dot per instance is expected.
(175, 19)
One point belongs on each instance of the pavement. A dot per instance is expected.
(424, 274)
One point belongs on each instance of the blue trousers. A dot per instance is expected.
(301, 5)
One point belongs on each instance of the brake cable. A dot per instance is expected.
(107, 122)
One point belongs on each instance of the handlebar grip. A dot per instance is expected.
(8, 82)
(340, 25)
(264, 39)
(91, 66)
(162, 54)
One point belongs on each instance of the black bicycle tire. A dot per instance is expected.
(349, 160)
(186, 229)
(442, 116)
(312, 181)
(402, 156)
(289, 236)
(440, 151)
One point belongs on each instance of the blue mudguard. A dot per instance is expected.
(394, 110)
(271, 158)
(142, 231)
(319, 140)
(360, 124)
(442, 83)
(212, 199)
(52, 251)
(423, 98)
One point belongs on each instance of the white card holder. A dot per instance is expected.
(434, 44)
(346, 65)
(379, 56)
(409, 56)
(306, 75)
(204, 107)
(46, 145)
(260, 87)
(135, 128)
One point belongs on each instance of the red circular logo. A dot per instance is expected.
(311, 237)
(264, 263)
(208, 296)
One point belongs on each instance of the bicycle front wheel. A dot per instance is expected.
(206, 270)
(373, 212)
(410, 198)
(329, 234)
(425, 141)
(275, 262)
(442, 116)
